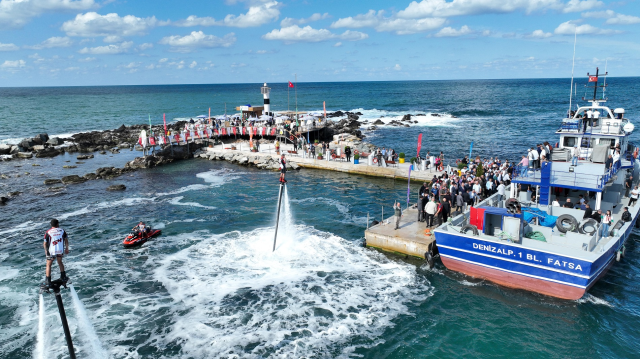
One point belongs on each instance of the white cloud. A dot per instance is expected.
(571, 27)
(16, 13)
(193, 64)
(94, 24)
(337, 44)
(13, 66)
(259, 13)
(8, 47)
(163, 60)
(197, 39)
(539, 34)
(108, 49)
(397, 67)
(112, 39)
(52, 42)
(400, 26)
(74, 68)
(451, 32)
(87, 59)
(612, 17)
(145, 46)
(442, 8)
(295, 33)
(287, 21)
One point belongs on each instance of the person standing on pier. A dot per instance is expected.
(347, 153)
(56, 245)
(446, 209)
(430, 208)
(379, 157)
(398, 213)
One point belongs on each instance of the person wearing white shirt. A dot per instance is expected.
(555, 203)
(501, 191)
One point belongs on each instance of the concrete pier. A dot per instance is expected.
(410, 239)
(399, 171)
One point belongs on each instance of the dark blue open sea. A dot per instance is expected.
(210, 287)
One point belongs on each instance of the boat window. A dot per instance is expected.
(587, 142)
(569, 141)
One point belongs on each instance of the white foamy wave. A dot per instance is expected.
(317, 295)
(469, 284)
(193, 187)
(21, 227)
(10, 141)
(588, 298)
(430, 119)
(176, 201)
(218, 177)
(106, 205)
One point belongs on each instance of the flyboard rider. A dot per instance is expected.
(56, 245)
(283, 168)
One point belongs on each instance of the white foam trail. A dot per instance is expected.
(87, 328)
(39, 350)
(317, 295)
(588, 298)
(430, 119)
(176, 201)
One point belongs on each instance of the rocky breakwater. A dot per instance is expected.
(109, 140)
(259, 161)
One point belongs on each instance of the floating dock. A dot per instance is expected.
(411, 238)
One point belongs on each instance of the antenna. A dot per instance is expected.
(573, 65)
(604, 88)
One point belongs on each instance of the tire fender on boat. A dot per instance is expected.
(573, 223)
(588, 222)
(468, 227)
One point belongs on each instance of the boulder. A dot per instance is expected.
(25, 155)
(3, 200)
(117, 187)
(90, 176)
(124, 145)
(406, 118)
(55, 141)
(84, 157)
(15, 149)
(43, 137)
(5, 149)
(48, 152)
(378, 122)
(120, 129)
(69, 166)
(73, 179)
(56, 188)
(27, 143)
(103, 152)
(52, 181)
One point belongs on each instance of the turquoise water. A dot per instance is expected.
(210, 286)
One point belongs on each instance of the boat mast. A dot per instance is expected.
(573, 65)
(604, 88)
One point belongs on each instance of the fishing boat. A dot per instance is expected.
(529, 243)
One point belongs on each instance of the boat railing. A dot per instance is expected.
(526, 173)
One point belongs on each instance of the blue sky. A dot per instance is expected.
(95, 42)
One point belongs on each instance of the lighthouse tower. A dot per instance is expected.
(265, 93)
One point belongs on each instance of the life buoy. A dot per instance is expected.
(635, 153)
(333, 156)
(375, 160)
(291, 137)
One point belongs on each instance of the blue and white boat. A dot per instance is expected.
(518, 242)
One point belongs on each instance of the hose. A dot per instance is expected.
(538, 236)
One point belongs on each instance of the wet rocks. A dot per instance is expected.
(148, 162)
(69, 166)
(5, 149)
(73, 179)
(90, 176)
(52, 181)
(117, 187)
(378, 122)
(406, 118)
(84, 157)
(47, 152)
(3, 200)
(24, 155)
(55, 141)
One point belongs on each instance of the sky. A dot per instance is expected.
(115, 42)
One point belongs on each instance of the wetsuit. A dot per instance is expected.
(283, 166)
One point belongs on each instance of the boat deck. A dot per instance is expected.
(409, 239)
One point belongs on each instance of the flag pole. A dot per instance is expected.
(295, 90)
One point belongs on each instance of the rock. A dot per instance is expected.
(15, 149)
(47, 152)
(25, 155)
(120, 129)
(69, 166)
(5, 149)
(90, 176)
(378, 122)
(407, 126)
(55, 141)
(115, 150)
(84, 157)
(406, 118)
(43, 137)
(103, 152)
(294, 166)
(372, 128)
(27, 144)
(55, 189)
(3, 200)
(52, 181)
(421, 114)
(117, 187)
(38, 147)
(73, 179)
(124, 145)
(14, 193)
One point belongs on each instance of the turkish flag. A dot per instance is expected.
(419, 143)
(152, 141)
(290, 84)
(593, 78)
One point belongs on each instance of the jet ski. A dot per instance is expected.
(135, 239)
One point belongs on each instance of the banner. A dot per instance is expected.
(419, 144)
(470, 149)
(324, 106)
(152, 141)
(594, 78)
(164, 119)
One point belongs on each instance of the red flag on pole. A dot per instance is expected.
(164, 119)
(324, 106)
(419, 143)
(290, 84)
(593, 78)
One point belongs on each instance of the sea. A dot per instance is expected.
(210, 286)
